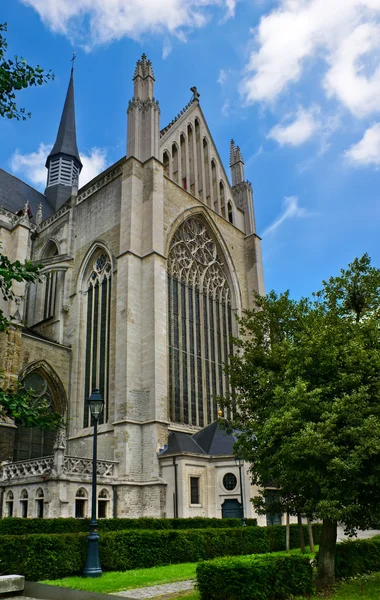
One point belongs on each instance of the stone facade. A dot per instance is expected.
(100, 318)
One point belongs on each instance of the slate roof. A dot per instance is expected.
(209, 441)
(14, 193)
(66, 142)
(214, 440)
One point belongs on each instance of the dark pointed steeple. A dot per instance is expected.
(64, 163)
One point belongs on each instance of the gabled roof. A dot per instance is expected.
(211, 440)
(66, 142)
(14, 193)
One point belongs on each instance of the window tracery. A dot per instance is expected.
(200, 324)
(98, 332)
(33, 442)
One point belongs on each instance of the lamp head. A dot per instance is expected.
(239, 461)
(96, 404)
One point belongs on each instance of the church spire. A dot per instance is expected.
(143, 114)
(63, 162)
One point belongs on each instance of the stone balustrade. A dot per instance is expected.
(73, 465)
(28, 468)
(47, 466)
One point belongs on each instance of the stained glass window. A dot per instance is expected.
(200, 325)
(98, 334)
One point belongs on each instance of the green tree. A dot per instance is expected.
(20, 404)
(11, 272)
(306, 380)
(15, 75)
(23, 407)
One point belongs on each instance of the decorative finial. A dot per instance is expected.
(39, 214)
(72, 61)
(220, 413)
(26, 211)
(196, 94)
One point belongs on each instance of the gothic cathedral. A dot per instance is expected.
(143, 272)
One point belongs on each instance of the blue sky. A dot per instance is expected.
(296, 83)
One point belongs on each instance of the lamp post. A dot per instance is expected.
(240, 462)
(93, 568)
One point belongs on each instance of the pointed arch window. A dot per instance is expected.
(9, 504)
(200, 325)
(98, 332)
(43, 387)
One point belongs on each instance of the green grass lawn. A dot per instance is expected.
(366, 587)
(116, 581)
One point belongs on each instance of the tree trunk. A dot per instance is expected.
(300, 533)
(311, 537)
(326, 556)
(287, 533)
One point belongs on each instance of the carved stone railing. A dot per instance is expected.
(28, 468)
(73, 465)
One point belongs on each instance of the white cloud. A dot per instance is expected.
(32, 166)
(226, 108)
(298, 131)
(367, 150)
(93, 22)
(222, 77)
(291, 210)
(345, 34)
(166, 48)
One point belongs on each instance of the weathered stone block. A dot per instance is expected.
(11, 583)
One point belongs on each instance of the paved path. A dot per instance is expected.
(360, 535)
(155, 591)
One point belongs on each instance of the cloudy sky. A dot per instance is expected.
(296, 83)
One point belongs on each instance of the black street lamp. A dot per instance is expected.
(240, 462)
(93, 568)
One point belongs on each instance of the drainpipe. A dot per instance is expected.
(114, 501)
(175, 499)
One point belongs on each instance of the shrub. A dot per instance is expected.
(357, 557)
(17, 526)
(43, 556)
(277, 536)
(51, 556)
(255, 578)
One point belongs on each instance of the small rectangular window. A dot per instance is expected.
(79, 508)
(40, 508)
(194, 490)
(102, 509)
(10, 509)
(24, 508)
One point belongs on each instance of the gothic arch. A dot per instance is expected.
(97, 247)
(50, 248)
(54, 382)
(95, 286)
(199, 211)
(200, 323)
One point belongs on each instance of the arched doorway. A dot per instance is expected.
(231, 509)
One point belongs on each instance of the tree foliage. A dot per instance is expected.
(15, 75)
(19, 404)
(11, 272)
(306, 376)
(23, 406)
